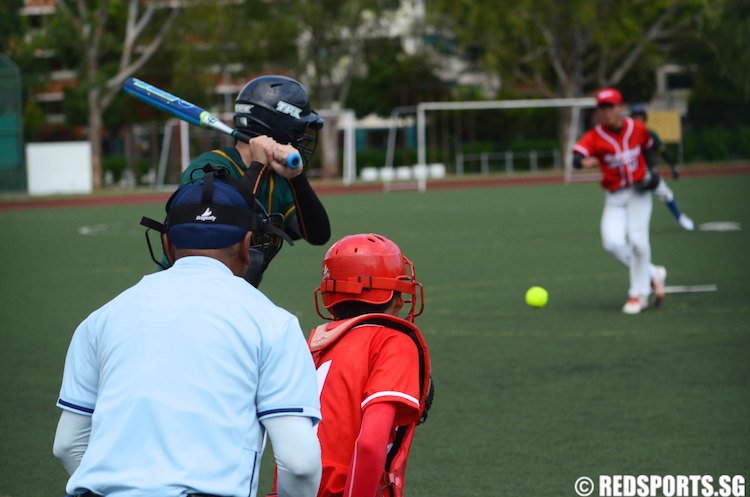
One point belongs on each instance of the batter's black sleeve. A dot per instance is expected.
(650, 155)
(667, 158)
(312, 218)
(672, 163)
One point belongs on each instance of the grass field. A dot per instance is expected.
(527, 400)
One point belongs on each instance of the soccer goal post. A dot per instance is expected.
(575, 104)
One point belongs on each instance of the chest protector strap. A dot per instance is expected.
(325, 335)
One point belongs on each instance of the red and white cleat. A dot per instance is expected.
(635, 305)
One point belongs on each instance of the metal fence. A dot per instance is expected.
(508, 161)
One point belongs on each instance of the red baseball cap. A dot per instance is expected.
(608, 96)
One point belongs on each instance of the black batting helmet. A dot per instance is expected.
(279, 107)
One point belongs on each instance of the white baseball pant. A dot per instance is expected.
(663, 192)
(625, 234)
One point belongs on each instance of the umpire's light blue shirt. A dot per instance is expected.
(177, 372)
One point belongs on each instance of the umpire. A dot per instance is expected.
(169, 387)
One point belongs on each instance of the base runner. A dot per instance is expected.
(662, 191)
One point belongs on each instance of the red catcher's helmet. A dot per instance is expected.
(367, 268)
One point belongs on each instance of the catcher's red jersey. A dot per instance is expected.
(368, 364)
(620, 154)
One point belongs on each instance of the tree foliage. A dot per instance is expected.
(229, 42)
(105, 41)
(393, 79)
(12, 26)
(564, 49)
(333, 39)
(717, 57)
(723, 38)
(322, 44)
(347, 56)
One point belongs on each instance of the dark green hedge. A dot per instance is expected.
(717, 143)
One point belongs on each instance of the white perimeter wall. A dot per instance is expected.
(59, 167)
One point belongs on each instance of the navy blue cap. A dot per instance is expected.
(195, 221)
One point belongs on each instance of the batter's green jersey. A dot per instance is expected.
(273, 192)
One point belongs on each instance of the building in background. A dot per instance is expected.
(50, 97)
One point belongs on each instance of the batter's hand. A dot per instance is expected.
(268, 152)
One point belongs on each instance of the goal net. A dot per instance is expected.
(479, 137)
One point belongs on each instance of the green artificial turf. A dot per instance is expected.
(527, 400)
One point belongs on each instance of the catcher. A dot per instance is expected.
(373, 367)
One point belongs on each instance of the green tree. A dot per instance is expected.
(564, 49)
(719, 46)
(332, 46)
(327, 45)
(718, 61)
(549, 48)
(227, 43)
(12, 26)
(107, 41)
(322, 44)
(716, 56)
(393, 79)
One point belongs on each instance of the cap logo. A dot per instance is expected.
(206, 216)
(326, 272)
(288, 109)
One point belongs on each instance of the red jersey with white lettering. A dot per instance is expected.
(369, 364)
(620, 153)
